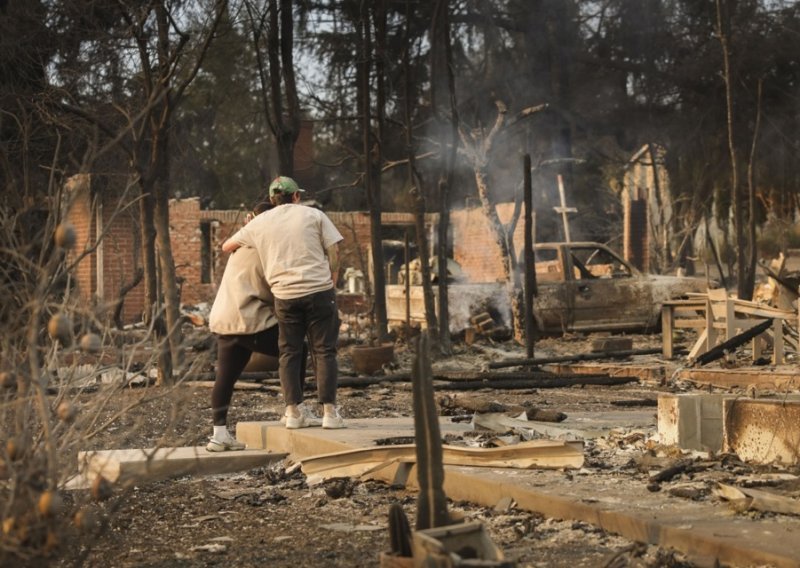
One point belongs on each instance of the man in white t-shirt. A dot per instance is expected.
(243, 320)
(298, 249)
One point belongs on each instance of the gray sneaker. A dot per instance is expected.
(307, 418)
(229, 444)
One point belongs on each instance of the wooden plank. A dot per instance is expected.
(758, 500)
(499, 422)
(781, 380)
(621, 354)
(667, 330)
(701, 342)
(154, 464)
(536, 454)
(240, 385)
(649, 373)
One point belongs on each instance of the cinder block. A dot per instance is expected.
(763, 431)
(691, 421)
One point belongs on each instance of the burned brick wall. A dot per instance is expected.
(475, 248)
(355, 227)
(355, 248)
(79, 214)
(197, 236)
(97, 208)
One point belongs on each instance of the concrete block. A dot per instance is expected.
(691, 421)
(763, 431)
(160, 463)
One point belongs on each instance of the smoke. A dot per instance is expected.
(468, 300)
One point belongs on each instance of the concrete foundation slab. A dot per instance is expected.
(763, 431)
(700, 529)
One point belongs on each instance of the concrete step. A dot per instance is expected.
(154, 464)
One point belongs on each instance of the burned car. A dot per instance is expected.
(582, 286)
(586, 286)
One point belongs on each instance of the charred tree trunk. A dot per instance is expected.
(280, 38)
(441, 66)
(277, 76)
(723, 34)
(148, 234)
(160, 127)
(151, 157)
(478, 150)
(373, 156)
(120, 302)
(502, 240)
(415, 189)
(291, 125)
(752, 251)
(154, 313)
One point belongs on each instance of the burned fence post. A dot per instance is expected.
(432, 505)
(530, 261)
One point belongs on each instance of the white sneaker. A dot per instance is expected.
(306, 419)
(332, 420)
(229, 444)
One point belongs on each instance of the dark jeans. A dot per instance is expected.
(233, 353)
(314, 317)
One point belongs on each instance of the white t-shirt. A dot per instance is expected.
(291, 240)
(243, 305)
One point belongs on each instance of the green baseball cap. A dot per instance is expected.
(283, 184)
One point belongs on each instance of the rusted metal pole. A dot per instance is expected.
(530, 261)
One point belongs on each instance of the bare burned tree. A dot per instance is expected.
(53, 403)
(443, 80)
(162, 46)
(415, 185)
(477, 145)
(272, 30)
(372, 147)
(745, 274)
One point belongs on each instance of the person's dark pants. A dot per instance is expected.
(316, 318)
(233, 353)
